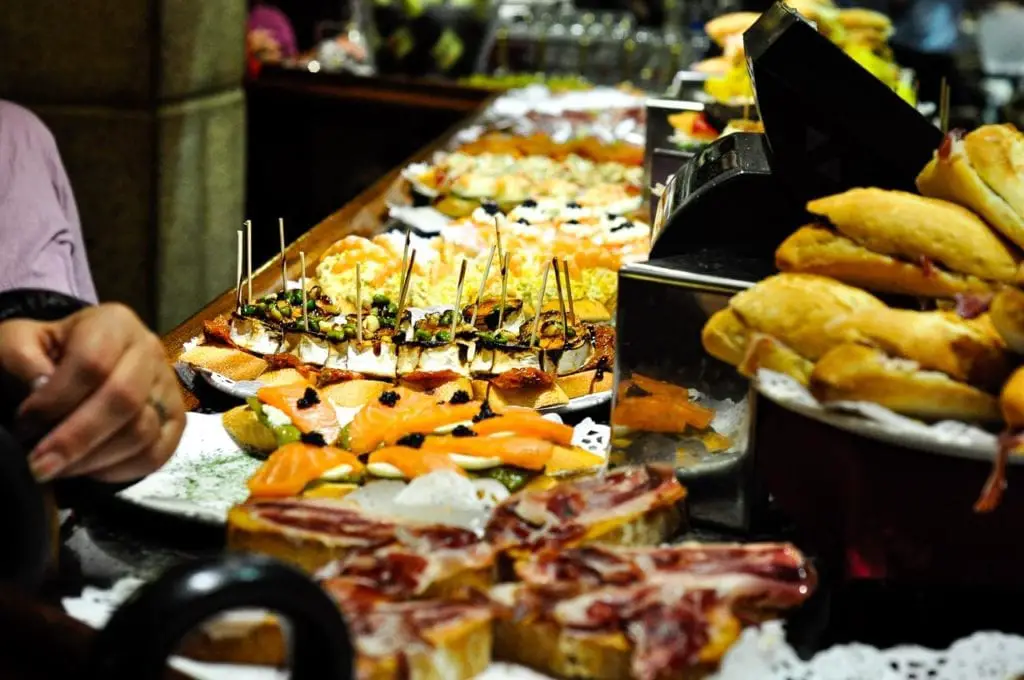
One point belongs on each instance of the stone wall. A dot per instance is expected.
(145, 100)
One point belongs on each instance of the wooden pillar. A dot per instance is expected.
(145, 100)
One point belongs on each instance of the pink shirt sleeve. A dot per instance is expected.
(41, 243)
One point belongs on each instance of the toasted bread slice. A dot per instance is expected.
(354, 393)
(245, 428)
(443, 392)
(284, 376)
(458, 650)
(227, 361)
(591, 311)
(535, 398)
(585, 382)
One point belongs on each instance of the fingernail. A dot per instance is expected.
(39, 382)
(45, 466)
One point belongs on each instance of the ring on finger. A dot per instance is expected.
(161, 410)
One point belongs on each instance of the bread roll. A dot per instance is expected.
(857, 373)
(766, 352)
(1011, 400)
(912, 227)
(817, 250)
(984, 172)
(938, 341)
(1007, 314)
(801, 310)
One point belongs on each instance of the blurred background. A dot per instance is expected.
(178, 119)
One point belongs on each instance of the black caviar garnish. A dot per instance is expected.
(490, 207)
(309, 399)
(572, 221)
(460, 397)
(523, 220)
(389, 398)
(485, 412)
(612, 216)
(313, 439)
(529, 203)
(572, 204)
(619, 227)
(463, 431)
(413, 441)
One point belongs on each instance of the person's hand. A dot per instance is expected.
(102, 381)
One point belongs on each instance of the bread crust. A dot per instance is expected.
(461, 651)
(1011, 400)
(766, 352)
(854, 372)
(583, 383)
(817, 250)
(726, 337)
(802, 311)
(227, 361)
(907, 226)
(246, 430)
(354, 393)
(1007, 314)
(535, 398)
(975, 175)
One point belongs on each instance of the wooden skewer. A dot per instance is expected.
(568, 290)
(504, 290)
(405, 291)
(483, 286)
(561, 303)
(284, 262)
(458, 297)
(497, 238)
(944, 106)
(359, 305)
(540, 303)
(248, 244)
(302, 282)
(746, 112)
(238, 275)
(405, 258)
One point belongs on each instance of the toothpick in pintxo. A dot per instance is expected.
(248, 247)
(284, 262)
(483, 286)
(540, 303)
(561, 302)
(302, 282)
(359, 305)
(458, 297)
(238, 274)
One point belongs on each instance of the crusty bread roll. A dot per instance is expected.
(766, 352)
(1007, 314)
(229, 362)
(984, 171)
(1011, 400)
(854, 372)
(912, 227)
(938, 341)
(817, 250)
(800, 310)
(721, 28)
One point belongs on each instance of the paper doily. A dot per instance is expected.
(762, 653)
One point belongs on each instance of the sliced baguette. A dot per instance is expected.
(584, 383)
(227, 361)
(354, 393)
(535, 398)
(460, 650)
(443, 392)
(245, 428)
(283, 376)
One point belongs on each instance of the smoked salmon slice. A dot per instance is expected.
(431, 419)
(527, 426)
(414, 462)
(289, 469)
(524, 452)
(375, 421)
(307, 410)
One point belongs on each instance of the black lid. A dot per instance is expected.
(831, 124)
